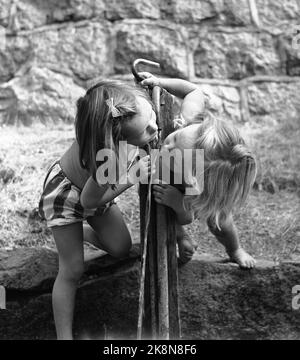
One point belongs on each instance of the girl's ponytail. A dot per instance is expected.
(239, 152)
(246, 167)
(229, 171)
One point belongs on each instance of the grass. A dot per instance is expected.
(269, 224)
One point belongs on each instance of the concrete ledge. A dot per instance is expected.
(217, 299)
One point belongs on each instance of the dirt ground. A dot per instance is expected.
(269, 224)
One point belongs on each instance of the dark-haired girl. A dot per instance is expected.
(109, 112)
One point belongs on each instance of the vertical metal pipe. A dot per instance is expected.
(158, 305)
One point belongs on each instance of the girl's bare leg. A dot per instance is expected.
(109, 232)
(69, 242)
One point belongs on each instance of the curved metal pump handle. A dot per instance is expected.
(142, 61)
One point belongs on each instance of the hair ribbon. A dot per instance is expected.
(114, 111)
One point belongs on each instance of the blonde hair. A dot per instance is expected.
(229, 171)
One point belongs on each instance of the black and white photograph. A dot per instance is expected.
(149, 172)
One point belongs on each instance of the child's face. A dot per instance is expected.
(142, 127)
(183, 138)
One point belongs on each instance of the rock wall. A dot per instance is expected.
(243, 53)
(217, 300)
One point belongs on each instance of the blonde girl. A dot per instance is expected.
(229, 171)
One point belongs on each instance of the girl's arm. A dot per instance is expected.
(177, 87)
(94, 196)
(193, 98)
(184, 216)
(169, 196)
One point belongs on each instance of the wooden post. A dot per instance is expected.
(167, 117)
(160, 307)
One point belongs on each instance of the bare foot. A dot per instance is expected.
(186, 248)
(242, 258)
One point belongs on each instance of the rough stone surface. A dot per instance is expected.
(39, 96)
(229, 303)
(34, 269)
(4, 12)
(165, 44)
(236, 12)
(14, 53)
(273, 102)
(289, 52)
(81, 52)
(8, 105)
(88, 39)
(31, 14)
(235, 55)
(217, 299)
(132, 9)
(190, 11)
(27, 268)
(6, 175)
(224, 100)
(275, 12)
(225, 12)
